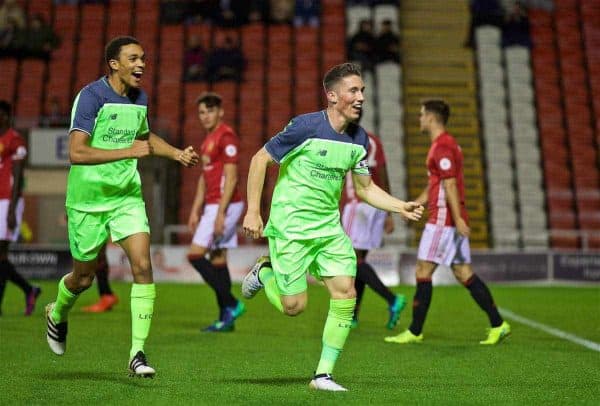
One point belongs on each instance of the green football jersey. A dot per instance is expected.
(314, 160)
(112, 122)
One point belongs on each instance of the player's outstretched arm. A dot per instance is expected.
(187, 157)
(81, 153)
(369, 192)
(253, 224)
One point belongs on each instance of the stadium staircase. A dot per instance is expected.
(510, 136)
(383, 111)
(435, 64)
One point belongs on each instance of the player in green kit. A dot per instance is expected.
(315, 151)
(109, 132)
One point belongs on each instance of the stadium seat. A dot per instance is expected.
(30, 96)
(43, 7)
(8, 79)
(90, 46)
(119, 19)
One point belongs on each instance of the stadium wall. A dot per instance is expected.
(394, 264)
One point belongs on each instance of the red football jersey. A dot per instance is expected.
(12, 148)
(375, 160)
(219, 148)
(444, 160)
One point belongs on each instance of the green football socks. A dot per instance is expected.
(337, 327)
(142, 309)
(267, 278)
(65, 300)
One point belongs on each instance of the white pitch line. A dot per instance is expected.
(551, 330)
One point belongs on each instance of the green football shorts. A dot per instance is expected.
(322, 257)
(88, 231)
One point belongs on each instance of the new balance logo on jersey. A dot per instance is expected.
(322, 152)
(113, 116)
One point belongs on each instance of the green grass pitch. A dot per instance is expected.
(270, 358)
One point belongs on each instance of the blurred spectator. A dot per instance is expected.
(387, 44)
(11, 10)
(307, 12)
(194, 60)
(11, 39)
(281, 11)
(40, 40)
(361, 47)
(225, 62)
(515, 30)
(484, 12)
(55, 115)
(234, 13)
(175, 11)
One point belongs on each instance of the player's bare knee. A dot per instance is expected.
(81, 282)
(462, 273)
(141, 269)
(293, 306)
(423, 272)
(345, 292)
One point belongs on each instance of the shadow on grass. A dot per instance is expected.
(268, 381)
(114, 377)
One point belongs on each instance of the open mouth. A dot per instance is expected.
(137, 75)
(357, 108)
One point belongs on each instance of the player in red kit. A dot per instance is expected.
(365, 225)
(216, 210)
(445, 240)
(12, 157)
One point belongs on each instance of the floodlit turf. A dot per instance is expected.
(270, 358)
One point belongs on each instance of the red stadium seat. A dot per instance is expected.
(8, 78)
(119, 19)
(42, 7)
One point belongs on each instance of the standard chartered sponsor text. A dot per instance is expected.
(327, 173)
(119, 135)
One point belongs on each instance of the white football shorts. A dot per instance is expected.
(204, 234)
(363, 224)
(5, 233)
(444, 246)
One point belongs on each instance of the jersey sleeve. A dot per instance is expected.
(84, 112)
(294, 134)
(445, 162)
(18, 148)
(144, 127)
(361, 166)
(229, 146)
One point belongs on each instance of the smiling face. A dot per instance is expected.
(129, 67)
(347, 97)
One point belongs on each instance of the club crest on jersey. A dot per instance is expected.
(113, 116)
(353, 154)
(322, 152)
(445, 164)
(230, 150)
